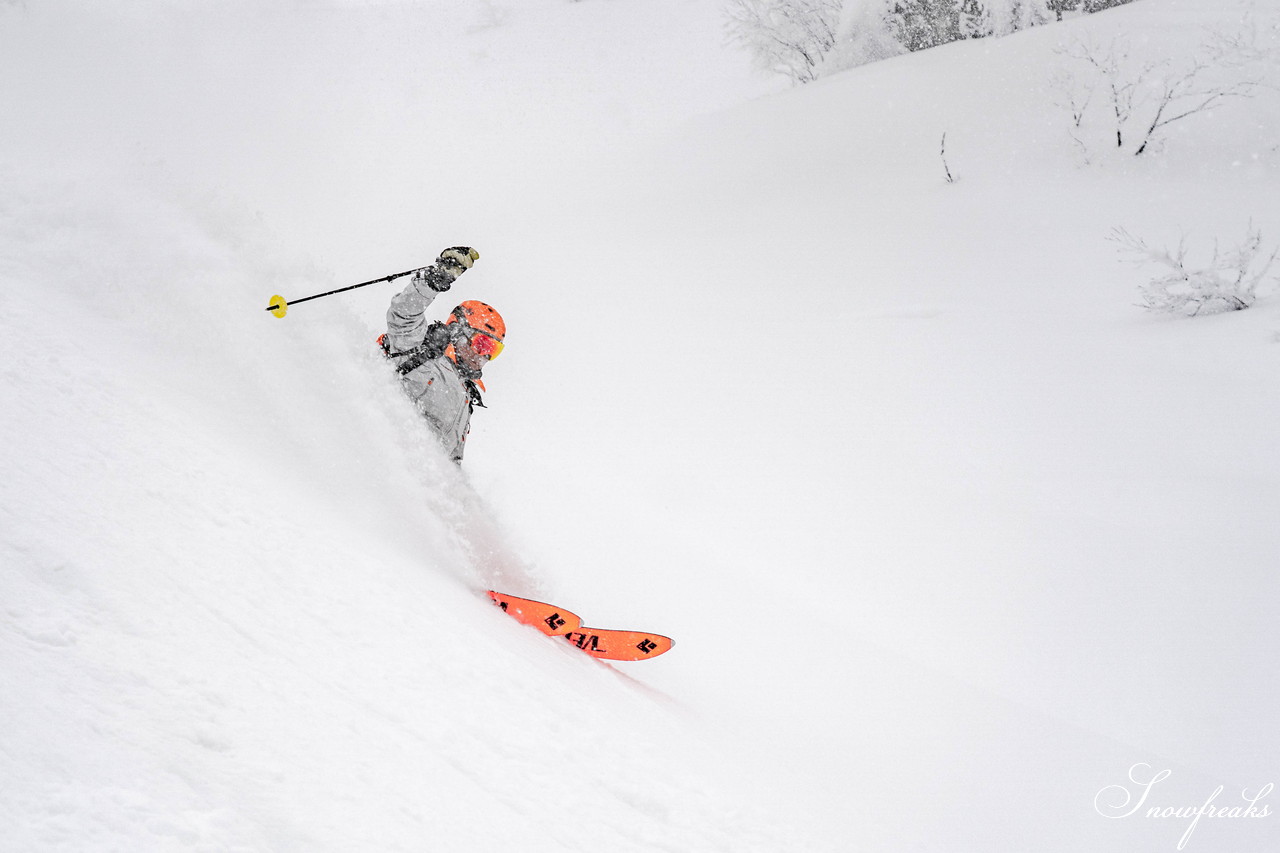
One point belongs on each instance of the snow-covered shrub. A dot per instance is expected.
(1229, 281)
(1122, 101)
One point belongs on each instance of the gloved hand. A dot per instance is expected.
(458, 259)
(452, 263)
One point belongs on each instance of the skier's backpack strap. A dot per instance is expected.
(432, 347)
(416, 359)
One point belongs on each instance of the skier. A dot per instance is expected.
(440, 364)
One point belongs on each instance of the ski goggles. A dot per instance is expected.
(487, 346)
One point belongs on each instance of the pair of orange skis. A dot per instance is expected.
(597, 642)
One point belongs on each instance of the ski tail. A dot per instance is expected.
(609, 644)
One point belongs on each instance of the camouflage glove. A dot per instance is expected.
(458, 259)
(452, 263)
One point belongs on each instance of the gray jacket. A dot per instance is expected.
(437, 386)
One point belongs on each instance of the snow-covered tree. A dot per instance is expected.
(1058, 7)
(1099, 5)
(982, 18)
(922, 24)
(805, 39)
(865, 32)
(1009, 16)
(975, 20)
(791, 37)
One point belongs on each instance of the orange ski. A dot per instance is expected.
(619, 645)
(547, 618)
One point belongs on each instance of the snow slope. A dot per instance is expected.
(950, 535)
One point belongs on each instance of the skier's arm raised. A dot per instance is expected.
(406, 320)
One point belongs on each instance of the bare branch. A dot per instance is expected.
(1142, 99)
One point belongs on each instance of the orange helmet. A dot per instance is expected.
(480, 317)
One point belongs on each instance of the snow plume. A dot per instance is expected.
(240, 580)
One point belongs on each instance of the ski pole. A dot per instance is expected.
(279, 305)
